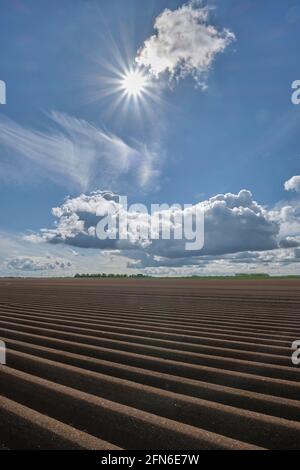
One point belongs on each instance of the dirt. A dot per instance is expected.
(149, 364)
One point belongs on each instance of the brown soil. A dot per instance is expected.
(149, 364)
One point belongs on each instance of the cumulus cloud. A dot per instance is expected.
(293, 184)
(35, 263)
(233, 223)
(76, 153)
(236, 222)
(288, 218)
(184, 44)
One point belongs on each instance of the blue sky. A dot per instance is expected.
(241, 132)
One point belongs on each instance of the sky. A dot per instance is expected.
(163, 101)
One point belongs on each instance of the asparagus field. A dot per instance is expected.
(149, 364)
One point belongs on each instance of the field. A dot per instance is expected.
(149, 364)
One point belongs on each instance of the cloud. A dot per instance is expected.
(77, 154)
(288, 218)
(293, 184)
(289, 242)
(236, 222)
(233, 223)
(64, 260)
(77, 219)
(35, 263)
(184, 44)
(274, 262)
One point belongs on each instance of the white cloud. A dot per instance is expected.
(185, 43)
(25, 254)
(288, 218)
(36, 263)
(293, 184)
(240, 236)
(77, 154)
(233, 223)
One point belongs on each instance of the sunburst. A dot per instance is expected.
(134, 83)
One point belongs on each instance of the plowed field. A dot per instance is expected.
(149, 364)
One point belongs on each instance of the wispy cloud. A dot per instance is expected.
(77, 154)
(185, 43)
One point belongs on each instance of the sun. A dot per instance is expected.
(134, 83)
